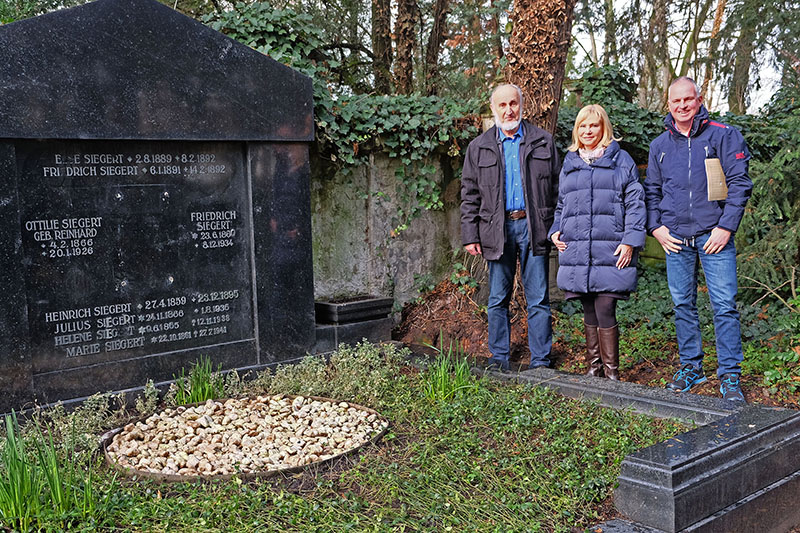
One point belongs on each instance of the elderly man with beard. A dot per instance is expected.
(509, 187)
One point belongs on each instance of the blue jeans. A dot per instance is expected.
(720, 271)
(534, 269)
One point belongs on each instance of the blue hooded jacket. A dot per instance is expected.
(600, 206)
(676, 190)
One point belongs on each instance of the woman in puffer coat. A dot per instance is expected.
(599, 227)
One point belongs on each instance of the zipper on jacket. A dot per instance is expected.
(591, 217)
(691, 217)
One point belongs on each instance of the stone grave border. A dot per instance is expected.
(739, 470)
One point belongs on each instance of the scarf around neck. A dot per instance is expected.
(590, 156)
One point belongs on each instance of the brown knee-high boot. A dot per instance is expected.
(593, 358)
(609, 351)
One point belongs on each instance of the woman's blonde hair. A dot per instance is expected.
(596, 112)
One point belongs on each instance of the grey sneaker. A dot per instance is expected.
(730, 389)
(686, 378)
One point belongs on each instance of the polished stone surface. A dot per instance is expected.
(16, 374)
(148, 216)
(622, 526)
(331, 336)
(353, 311)
(688, 478)
(651, 401)
(136, 69)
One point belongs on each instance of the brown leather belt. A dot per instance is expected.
(516, 215)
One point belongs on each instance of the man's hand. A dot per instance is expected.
(474, 248)
(667, 241)
(717, 241)
(625, 253)
(561, 245)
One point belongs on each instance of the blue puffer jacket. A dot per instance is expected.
(600, 206)
(676, 189)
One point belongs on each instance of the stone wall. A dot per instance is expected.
(355, 250)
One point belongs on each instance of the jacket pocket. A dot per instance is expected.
(487, 158)
(548, 215)
(541, 152)
(619, 217)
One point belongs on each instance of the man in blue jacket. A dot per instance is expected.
(509, 187)
(691, 228)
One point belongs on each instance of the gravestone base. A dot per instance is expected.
(331, 336)
(717, 474)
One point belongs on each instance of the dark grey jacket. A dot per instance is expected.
(483, 190)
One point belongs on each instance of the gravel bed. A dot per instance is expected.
(250, 436)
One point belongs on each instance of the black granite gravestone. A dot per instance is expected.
(154, 204)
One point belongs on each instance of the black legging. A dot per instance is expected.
(599, 310)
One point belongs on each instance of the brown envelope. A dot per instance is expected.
(717, 189)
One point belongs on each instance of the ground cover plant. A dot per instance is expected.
(499, 457)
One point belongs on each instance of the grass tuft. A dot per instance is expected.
(449, 375)
(21, 482)
(202, 384)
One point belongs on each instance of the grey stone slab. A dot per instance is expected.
(638, 398)
(771, 509)
(136, 69)
(622, 526)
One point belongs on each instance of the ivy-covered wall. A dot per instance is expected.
(358, 249)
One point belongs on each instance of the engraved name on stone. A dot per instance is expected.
(87, 165)
(112, 165)
(77, 329)
(107, 328)
(213, 229)
(65, 237)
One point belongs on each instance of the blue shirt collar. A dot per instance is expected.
(501, 136)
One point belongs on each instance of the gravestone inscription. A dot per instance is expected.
(155, 204)
(133, 248)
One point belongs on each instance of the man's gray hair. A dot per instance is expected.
(683, 79)
(516, 87)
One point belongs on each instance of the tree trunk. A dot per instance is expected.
(437, 37)
(586, 15)
(740, 80)
(610, 55)
(690, 52)
(712, 51)
(537, 57)
(657, 71)
(382, 45)
(405, 38)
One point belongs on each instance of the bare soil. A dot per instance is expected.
(451, 312)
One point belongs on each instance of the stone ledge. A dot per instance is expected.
(623, 395)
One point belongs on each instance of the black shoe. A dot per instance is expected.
(493, 365)
(539, 364)
(686, 378)
(730, 389)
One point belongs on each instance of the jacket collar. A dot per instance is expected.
(698, 123)
(532, 135)
(573, 159)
